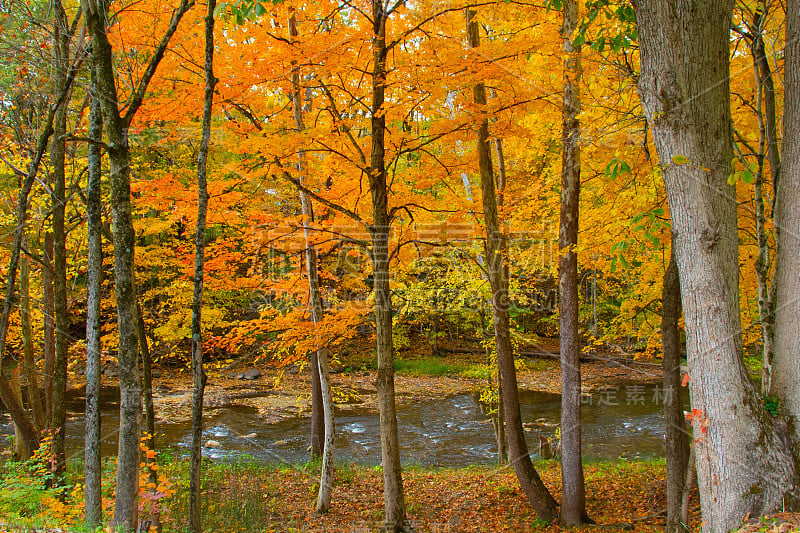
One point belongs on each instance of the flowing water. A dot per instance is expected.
(622, 421)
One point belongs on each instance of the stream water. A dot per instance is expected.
(622, 421)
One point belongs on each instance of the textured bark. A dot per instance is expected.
(34, 395)
(394, 498)
(765, 76)
(573, 502)
(786, 378)
(22, 421)
(116, 126)
(537, 494)
(198, 374)
(149, 409)
(319, 359)
(744, 462)
(49, 313)
(767, 138)
(676, 436)
(94, 273)
(21, 451)
(58, 419)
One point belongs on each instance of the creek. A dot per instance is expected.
(622, 421)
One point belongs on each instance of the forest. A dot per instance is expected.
(519, 265)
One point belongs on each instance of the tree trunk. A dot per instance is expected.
(94, 267)
(49, 313)
(765, 74)
(573, 501)
(14, 407)
(21, 450)
(767, 135)
(198, 374)
(394, 498)
(676, 436)
(34, 395)
(744, 463)
(58, 160)
(149, 410)
(537, 494)
(319, 360)
(116, 127)
(786, 377)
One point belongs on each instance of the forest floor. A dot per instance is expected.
(284, 392)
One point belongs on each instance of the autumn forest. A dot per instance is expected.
(358, 207)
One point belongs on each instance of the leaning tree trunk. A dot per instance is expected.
(744, 463)
(58, 147)
(573, 501)
(537, 494)
(15, 408)
(786, 378)
(676, 436)
(394, 498)
(198, 374)
(94, 267)
(322, 402)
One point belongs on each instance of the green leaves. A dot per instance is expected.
(745, 176)
(243, 10)
(616, 167)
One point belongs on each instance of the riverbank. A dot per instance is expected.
(281, 393)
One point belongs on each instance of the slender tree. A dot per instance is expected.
(94, 267)
(198, 374)
(573, 502)
(58, 151)
(116, 127)
(319, 359)
(537, 494)
(677, 438)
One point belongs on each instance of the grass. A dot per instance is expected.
(428, 366)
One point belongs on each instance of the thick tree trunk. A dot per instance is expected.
(744, 463)
(676, 436)
(58, 160)
(321, 406)
(786, 377)
(394, 498)
(94, 272)
(34, 394)
(537, 494)
(198, 374)
(573, 502)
